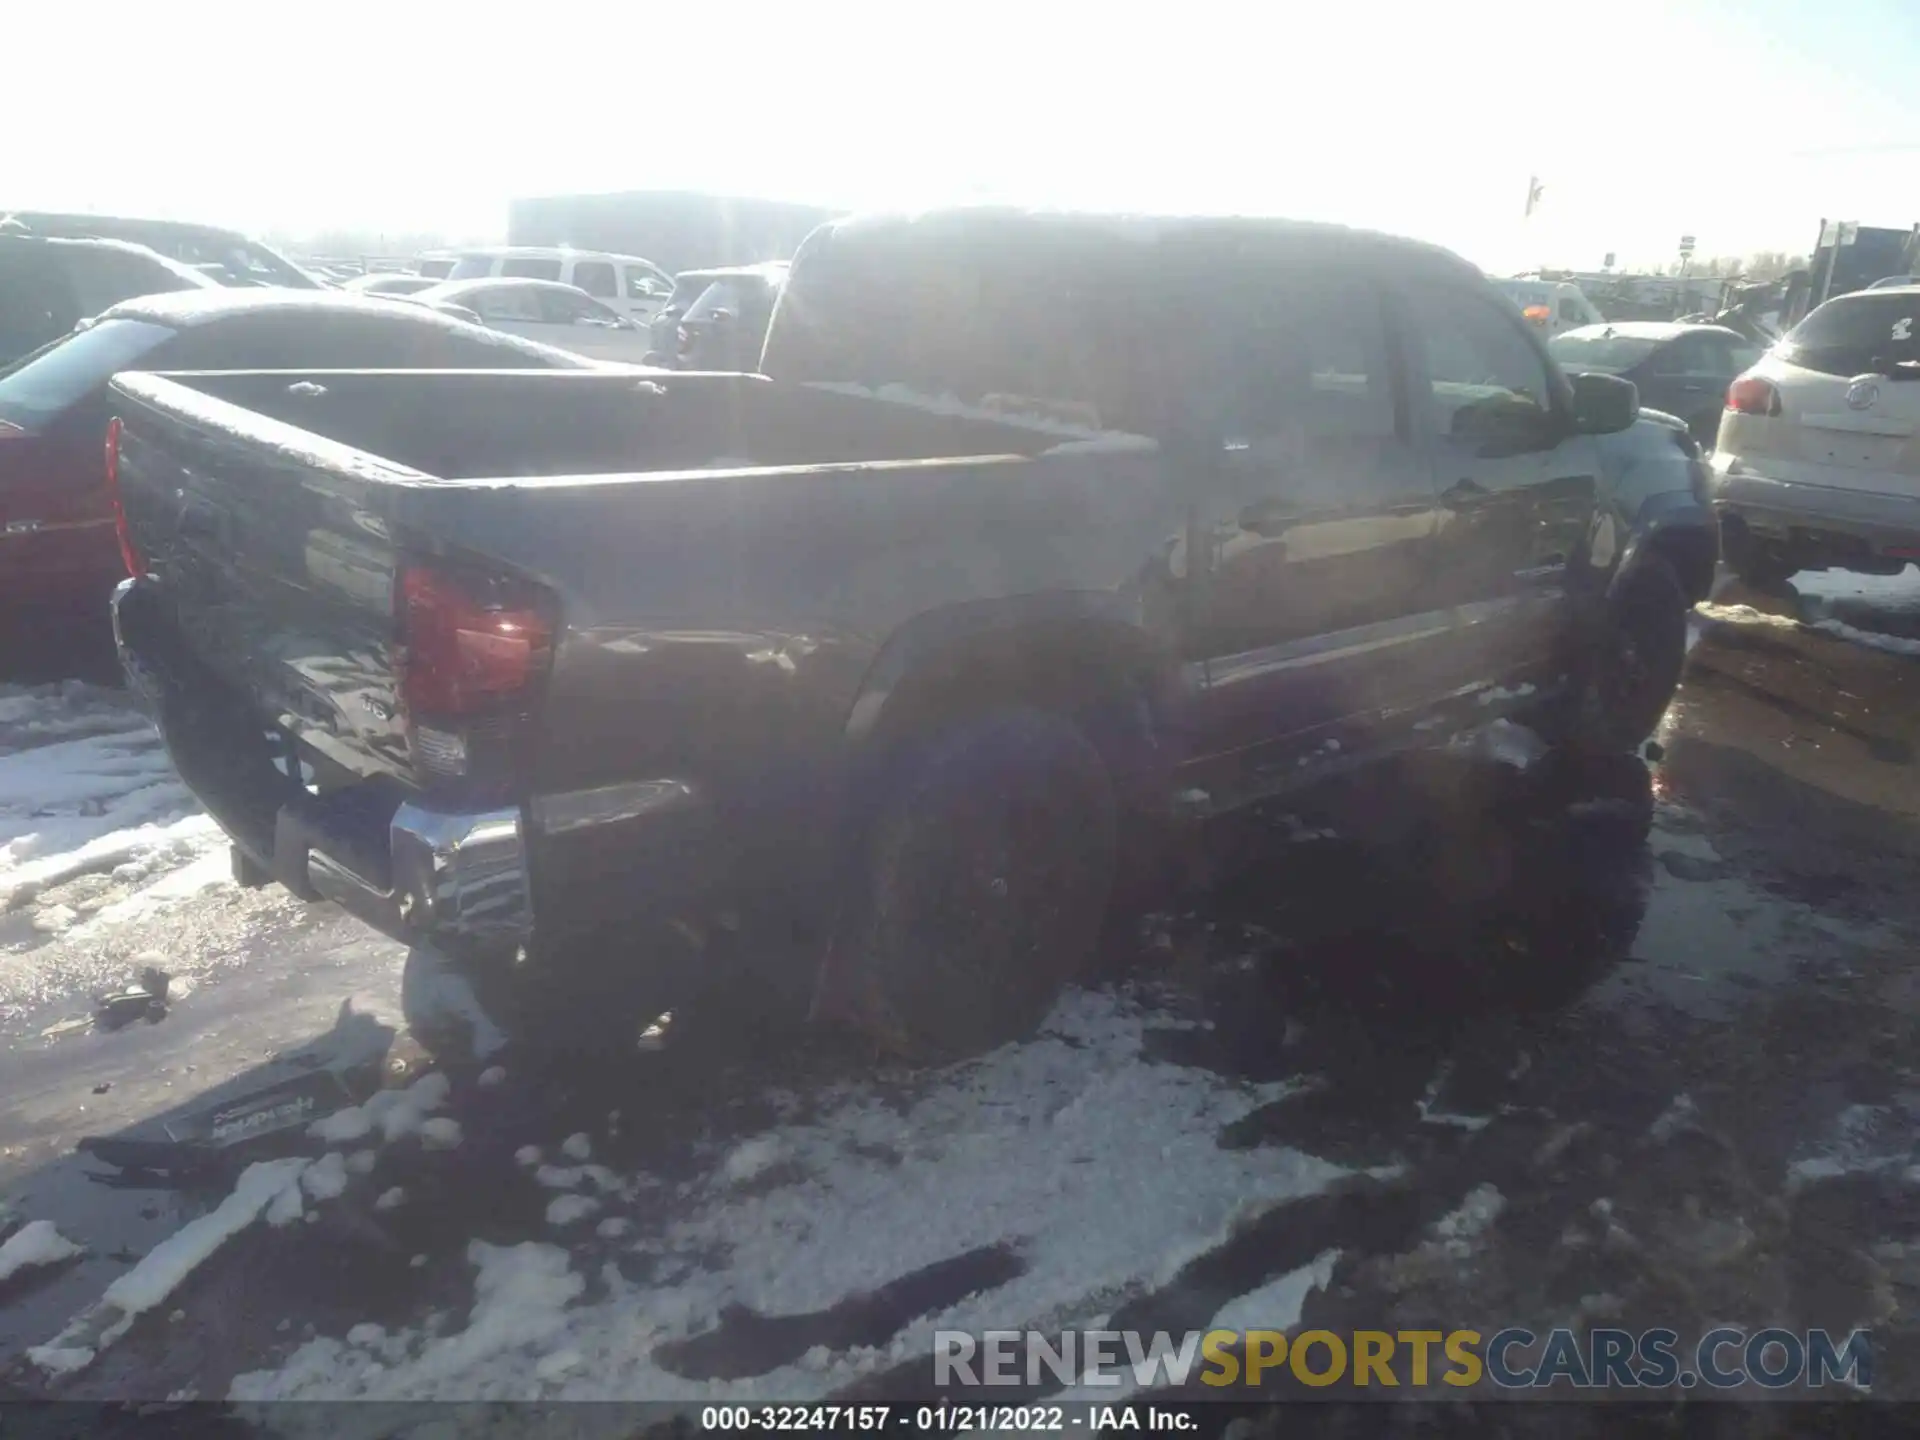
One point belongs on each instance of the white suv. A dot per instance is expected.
(637, 288)
(1818, 460)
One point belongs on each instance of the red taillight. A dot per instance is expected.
(1538, 314)
(467, 646)
(1750, 395)
(129, 556)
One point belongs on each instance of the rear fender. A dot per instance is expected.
(1100, 665)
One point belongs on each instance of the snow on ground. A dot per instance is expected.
(95, 828)
(163, 1268)
(1276, 1305)
(34, 1244)
(1094, 1162)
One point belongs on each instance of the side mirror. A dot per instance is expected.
(1604, 404)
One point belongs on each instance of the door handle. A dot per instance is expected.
(23, 527)
(1465, 495)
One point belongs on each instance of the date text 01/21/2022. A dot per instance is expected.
(944, 1419)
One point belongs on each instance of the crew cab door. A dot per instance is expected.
(1516, 487)
(1312, 523)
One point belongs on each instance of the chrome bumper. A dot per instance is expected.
(456, 876)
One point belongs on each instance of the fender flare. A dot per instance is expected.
(1675, 513)
(935, 634)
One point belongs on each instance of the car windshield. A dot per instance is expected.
(46, 382)
(1856, 333)
(1600, 351)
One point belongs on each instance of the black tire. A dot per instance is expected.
(1636, 664)
(988, 870)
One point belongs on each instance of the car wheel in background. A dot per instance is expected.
(987, 874)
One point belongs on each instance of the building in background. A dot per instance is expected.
(677, 230)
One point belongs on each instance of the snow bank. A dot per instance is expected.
(86, 789)
(1073, 1147)
(1892, 644)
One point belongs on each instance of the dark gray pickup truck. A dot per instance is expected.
(1041, 538)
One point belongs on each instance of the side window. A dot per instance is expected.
(530, 267)
(647, 284)
(1691, 355)
(1571, 312)
(559, 307)
(1310, 364)
(509, 302)
(1742, 357)
(1479, 365)
(596, 278)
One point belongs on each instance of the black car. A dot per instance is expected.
(58, 555)
(49, 286)
(1681, 369)
(717, 319)
(227, 256)
(725, 328)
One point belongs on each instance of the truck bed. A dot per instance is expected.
(724, 548)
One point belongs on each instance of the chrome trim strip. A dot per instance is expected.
(572, 810)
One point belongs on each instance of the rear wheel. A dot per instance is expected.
(987, 874)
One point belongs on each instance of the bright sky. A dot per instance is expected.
(1741, 122)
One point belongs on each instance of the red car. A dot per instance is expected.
(58, 555)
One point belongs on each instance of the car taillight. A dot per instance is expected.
(1538, 314)
(472, 651)
(130, 557)
(1750, 395)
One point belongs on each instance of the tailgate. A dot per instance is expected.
(276, 563)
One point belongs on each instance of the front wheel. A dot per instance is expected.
(987, 874)
(1635, 665)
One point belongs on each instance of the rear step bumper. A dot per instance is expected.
(412, 872)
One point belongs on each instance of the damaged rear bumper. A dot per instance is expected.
(411, 870)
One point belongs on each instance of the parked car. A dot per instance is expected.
(547, 311)
(915, 664)
(1681, 369)
(724, 325)
(633, 287)
(1818, 461)
(389, 282)
(49, 286)
(688, 286)
(228, 256)
(57, 549)
(1550, 306)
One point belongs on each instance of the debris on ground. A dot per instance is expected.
(145, 1000)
